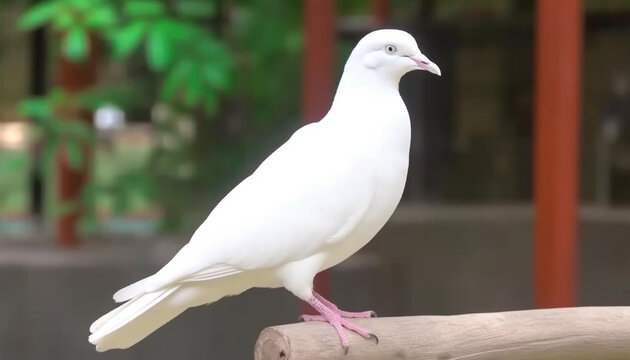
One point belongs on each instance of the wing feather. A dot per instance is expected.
(302, 198)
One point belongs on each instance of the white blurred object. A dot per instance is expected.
(109, 118)
(13, 135)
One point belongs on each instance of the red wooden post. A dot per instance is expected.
(74, 77)
(381, 12)
(319, 67)
(559, 27)
(318, 79)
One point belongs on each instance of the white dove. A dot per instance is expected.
(311, 204)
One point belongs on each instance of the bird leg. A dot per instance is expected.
(333, 317)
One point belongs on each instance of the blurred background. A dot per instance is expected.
(122, 123)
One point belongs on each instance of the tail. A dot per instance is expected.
(139, 317)
(134, 320)
(134, 290)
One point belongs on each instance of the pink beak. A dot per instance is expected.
(424, 63)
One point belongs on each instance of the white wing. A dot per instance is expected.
(308, 194)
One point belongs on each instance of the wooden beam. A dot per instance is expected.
(558, 65)
(570, 333)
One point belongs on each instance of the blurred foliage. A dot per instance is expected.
(265, 40)
(183, 54)
(194, 64)
(219, 80)
(13, 184)
(59, 131)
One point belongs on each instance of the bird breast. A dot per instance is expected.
(386, 147)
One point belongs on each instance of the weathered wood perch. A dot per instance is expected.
(572, 333)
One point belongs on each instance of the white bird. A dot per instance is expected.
(311, 204)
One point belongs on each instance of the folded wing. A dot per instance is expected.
(308, 194)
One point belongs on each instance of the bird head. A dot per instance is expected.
(392, 53)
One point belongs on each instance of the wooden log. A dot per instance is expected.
(567, 333)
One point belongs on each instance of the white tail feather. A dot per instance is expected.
(134, 290)
(135, 320)
(103, 319)
(158, 281)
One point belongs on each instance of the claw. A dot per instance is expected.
(300, 318)
(338, 319)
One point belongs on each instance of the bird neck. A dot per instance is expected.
(360, 85)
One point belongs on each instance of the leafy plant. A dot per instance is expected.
(74, 19)
(176, 47)
(194, 64)
(60, 131)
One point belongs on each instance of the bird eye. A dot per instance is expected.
(390, 49)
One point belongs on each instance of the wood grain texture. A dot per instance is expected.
(567, 333)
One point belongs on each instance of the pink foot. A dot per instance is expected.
(334, 318)
(345, 314)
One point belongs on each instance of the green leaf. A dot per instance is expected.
(64, 20)
(82, 5)
(178, 30)
(74, 154)
(144, 8)
(36, 107)
(159, 52)
(56, 95)
(101, 17)
(38, 15)
(127, 39)
(75, 44)
(175, 79)
(195, 8)
(74, 129)
(218, 77)
(194, 87)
